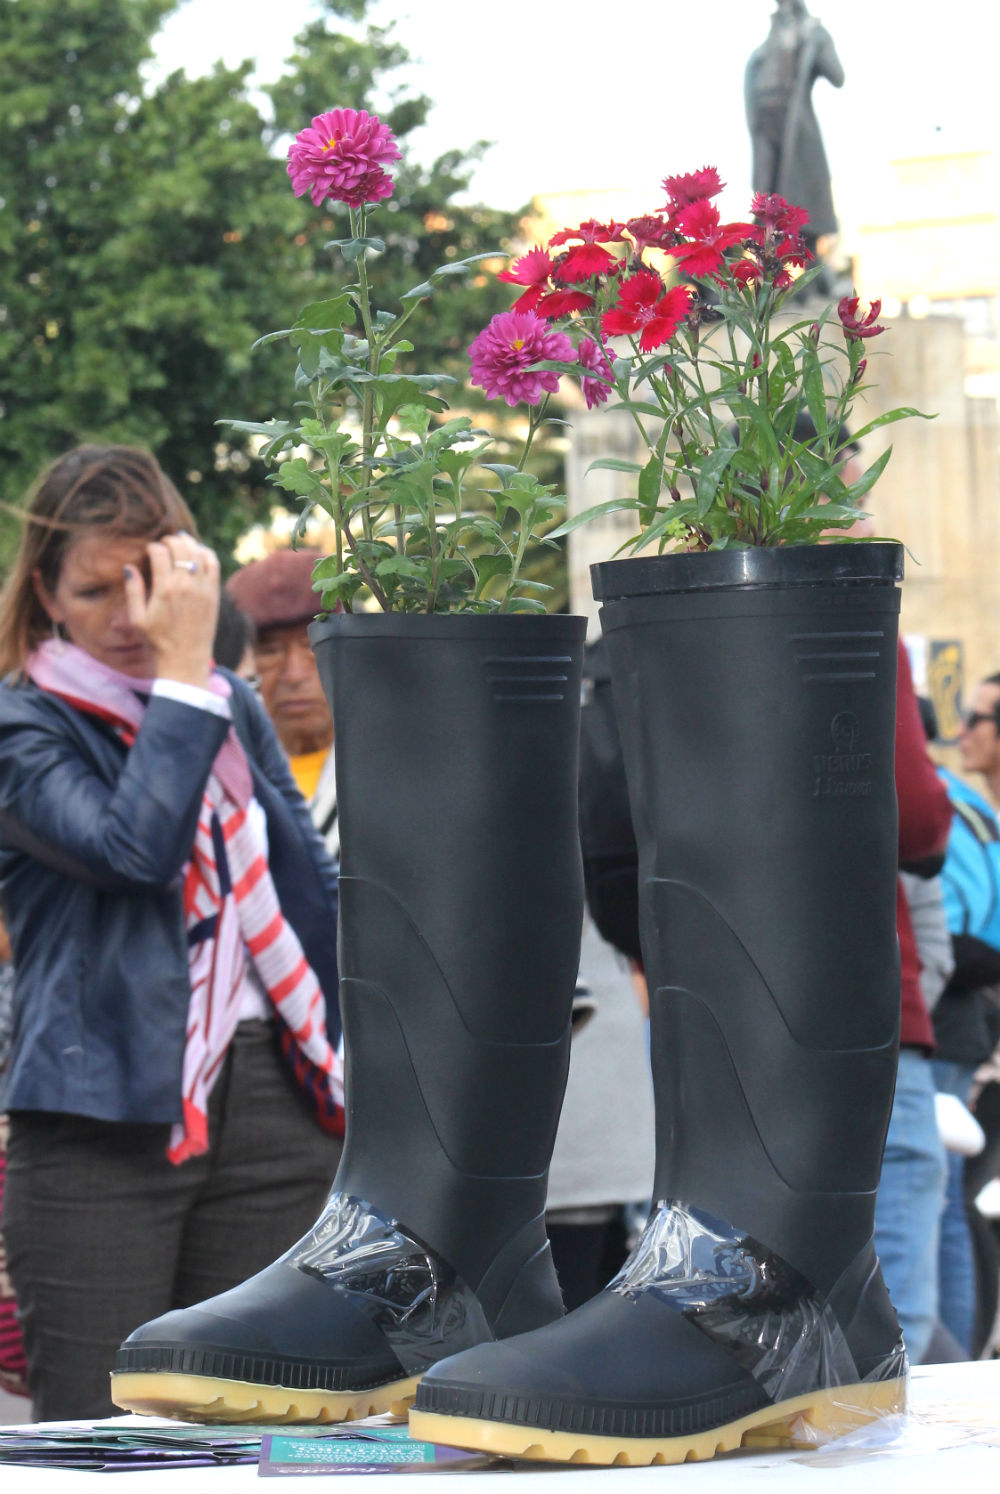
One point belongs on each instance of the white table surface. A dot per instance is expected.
(950, 1444)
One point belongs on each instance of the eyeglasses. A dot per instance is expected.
(971, 719)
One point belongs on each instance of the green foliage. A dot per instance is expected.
(146, 235)
(391, 475)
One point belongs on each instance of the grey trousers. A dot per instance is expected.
(103, 1233)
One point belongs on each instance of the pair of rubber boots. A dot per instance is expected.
(753, 1308)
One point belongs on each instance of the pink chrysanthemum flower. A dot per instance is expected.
(341, 156)
(502, 355)
(594, 358)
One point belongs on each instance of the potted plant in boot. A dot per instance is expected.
(456, 705)
(754, 676)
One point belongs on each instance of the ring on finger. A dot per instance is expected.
(186, 565)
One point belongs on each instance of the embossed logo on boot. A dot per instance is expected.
(839, 774)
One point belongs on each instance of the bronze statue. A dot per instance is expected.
(788, 154)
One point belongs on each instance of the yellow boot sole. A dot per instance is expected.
(200, 1398)
(805, 1421)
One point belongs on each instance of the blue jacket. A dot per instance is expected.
(92, 844)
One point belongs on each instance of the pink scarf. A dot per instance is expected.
(231, 909)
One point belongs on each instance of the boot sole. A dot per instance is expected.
(199, 1398)
(806, 1421)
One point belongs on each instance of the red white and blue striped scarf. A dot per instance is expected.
(231, 909)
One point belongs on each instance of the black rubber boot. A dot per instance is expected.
(460, 915)
(757, 717)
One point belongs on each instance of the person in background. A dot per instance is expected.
(13, 1367)
(234, 639)
(911, 1189)
(962, 1018)
(277, 595)
(174, 1086)
(925, 900)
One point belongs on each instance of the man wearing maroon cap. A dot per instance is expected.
(276, 594)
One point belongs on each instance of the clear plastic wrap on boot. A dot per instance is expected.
(423, 1309)
(747, 1299)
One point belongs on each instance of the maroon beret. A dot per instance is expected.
(277, 592)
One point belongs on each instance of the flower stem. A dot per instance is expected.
(358, 225)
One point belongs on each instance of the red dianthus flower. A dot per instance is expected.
(747, 272)
(586, 259)
(855, 326)
(644, 307)
(692, 186)
(648, 232)
(562, 302)
(775, 212)
(709, 238)
(533, 270)
(341, 155)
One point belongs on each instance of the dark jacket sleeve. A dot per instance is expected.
(924, 807)
(136, 826)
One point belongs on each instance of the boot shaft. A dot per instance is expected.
(461, 907)
(758, 727)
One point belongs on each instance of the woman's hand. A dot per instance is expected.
(178, 615)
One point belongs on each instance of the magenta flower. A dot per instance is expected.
(857, 322)
(595, 358)
(502, 355)
(341, 156)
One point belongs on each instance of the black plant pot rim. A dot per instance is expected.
(531, 627)
(875, 562)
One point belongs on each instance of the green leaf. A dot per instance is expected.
(489, 567)
(831, 513)
(503, 470)
(759, 419)
(525, 604)
(415, 418)
(406, 392)
(461, 266)
(613, 464)
(295, 476)
(709, 477)
(269, 337)
(402, 565)
(903, 412)
(321, 317)
(418, 292)
(352, 249)
(269, 428)
(866, 482)
(598, 511)
(650, 484)
(815, 391)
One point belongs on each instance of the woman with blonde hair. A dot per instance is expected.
(172, 915)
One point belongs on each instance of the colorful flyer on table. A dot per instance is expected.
(373, 1450)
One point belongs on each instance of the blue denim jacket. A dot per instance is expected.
(92, 845)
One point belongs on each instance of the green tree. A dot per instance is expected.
(147, 237)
